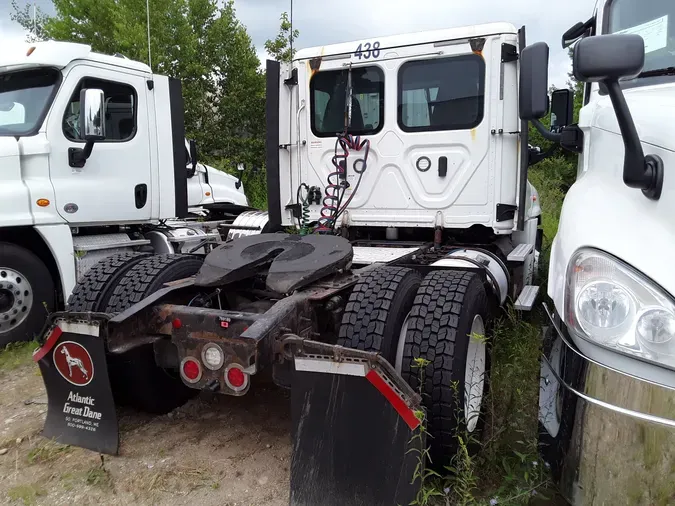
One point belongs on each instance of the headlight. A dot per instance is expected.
(611, 304)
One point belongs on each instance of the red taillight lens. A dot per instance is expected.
(236, 377)
(177, 323)
(191, 370)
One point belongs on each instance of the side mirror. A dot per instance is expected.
(606, 59)
(576, 32)
(533, 96)
(240, 168)
(92, 125)
(193, 154)
(193, 159)
(562, 109)
(92, 115)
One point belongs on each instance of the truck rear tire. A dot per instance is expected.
(450, 308)
(93, 291)
(377, 309)
(136, 379)
(27, 294)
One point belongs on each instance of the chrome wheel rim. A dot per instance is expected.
(16, 299)
(474, 374)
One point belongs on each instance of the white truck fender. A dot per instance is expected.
(60, 243)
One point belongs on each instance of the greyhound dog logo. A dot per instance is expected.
(74, 363)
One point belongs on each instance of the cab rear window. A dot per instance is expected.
(328, 96)
(441, 94)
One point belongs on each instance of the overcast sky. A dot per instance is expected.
(348, 20)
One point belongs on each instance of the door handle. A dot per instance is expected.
(443, 166)
(141, 195)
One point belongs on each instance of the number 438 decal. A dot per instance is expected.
(366, 50)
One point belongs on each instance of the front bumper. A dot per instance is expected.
(608, 436)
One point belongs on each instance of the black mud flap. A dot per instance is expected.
(81, 410)
(356, 436)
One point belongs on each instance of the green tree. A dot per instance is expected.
(280, 47)
(31, 20)
(200, 42)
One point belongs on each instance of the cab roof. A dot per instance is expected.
(410, 39)
(59, 54)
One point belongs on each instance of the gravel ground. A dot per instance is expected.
(215, 450)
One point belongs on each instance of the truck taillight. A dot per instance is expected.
(191, 370)
(236, 378)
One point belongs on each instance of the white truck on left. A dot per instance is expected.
(94, 165)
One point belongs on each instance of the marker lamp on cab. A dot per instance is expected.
(611, 304)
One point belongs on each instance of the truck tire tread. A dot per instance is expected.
(148, 276)
(377, 308)
(438, 329)
(136, 379)
(93, 291)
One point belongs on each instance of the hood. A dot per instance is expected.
(219, 175)
(649, 106)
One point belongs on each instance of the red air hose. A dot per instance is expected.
(337, 185)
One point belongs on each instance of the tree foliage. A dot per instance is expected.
(32, 20)
(200, 42)
(280, 48)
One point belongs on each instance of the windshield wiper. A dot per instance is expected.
(668, 71)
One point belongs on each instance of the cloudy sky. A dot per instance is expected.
(365, 19)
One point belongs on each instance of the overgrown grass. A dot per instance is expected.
(15, 355)
(26, 494)
(47, 451)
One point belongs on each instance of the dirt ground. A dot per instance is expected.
(215, 450)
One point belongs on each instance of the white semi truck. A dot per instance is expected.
(67, 202)
(403, 161)
(607, 401)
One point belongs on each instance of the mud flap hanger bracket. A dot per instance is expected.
(313, 356)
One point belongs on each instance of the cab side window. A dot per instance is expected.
(120, 111)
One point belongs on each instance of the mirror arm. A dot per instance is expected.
(77, 157)
(639, 171)
(546, 134)
(88, 147)
(535, 158)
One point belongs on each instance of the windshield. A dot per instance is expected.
(24, 99)
(654, 20)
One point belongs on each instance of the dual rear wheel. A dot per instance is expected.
(433, 329)
(114, 285)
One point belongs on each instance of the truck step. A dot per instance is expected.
(520, 253)
(527, 298)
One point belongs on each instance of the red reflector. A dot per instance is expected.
(49, 344)
(176, 323)
(236, 377)
(191, 369)
(224, 324)
(395, 400)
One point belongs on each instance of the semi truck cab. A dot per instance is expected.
(93, 157)
(608, 377)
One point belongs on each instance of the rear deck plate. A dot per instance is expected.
(365, 255)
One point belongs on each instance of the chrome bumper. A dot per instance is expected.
(608, 436)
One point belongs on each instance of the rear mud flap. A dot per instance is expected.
(81, 410)
(354, 435)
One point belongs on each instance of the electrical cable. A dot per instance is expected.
(303, 202)
(336, 189)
